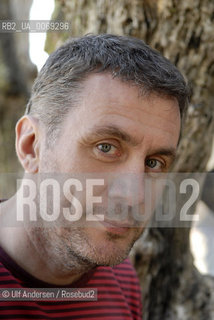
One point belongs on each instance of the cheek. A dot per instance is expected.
(48, 162)
(71, 160)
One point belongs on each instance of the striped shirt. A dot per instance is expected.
(118, 294)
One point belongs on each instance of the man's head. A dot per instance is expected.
(108, 105)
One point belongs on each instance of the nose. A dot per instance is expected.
(127, 188)
(127, 183)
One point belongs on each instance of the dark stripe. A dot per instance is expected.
(106, 284)
(74, 309)
(124, 268)
(92, 316)
(111, 278)
(26, 316)
(8, 282)
(125, 275)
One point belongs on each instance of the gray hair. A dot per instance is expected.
(59, 83)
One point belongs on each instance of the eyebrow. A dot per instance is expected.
(169, 152)
(114, 131)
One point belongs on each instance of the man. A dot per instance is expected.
(102, 106)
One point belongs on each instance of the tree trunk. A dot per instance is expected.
(16, 75)
(183, 32)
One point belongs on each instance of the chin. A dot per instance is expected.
(109, 255)
(109, 249)
(110, 260)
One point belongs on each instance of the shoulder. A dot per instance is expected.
(126, 268)
(130, 286)
(126, 272)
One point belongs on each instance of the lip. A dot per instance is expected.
(116, 227)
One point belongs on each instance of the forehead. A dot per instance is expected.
(115, 91)
(102, 93)
(105, 101)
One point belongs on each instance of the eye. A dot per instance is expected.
(108, 149)
(153, 163)
(105, 147)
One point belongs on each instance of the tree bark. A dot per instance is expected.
(16, 75)
(183, 31)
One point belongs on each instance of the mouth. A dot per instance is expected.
(116, 227)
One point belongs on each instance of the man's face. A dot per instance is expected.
(116, 133)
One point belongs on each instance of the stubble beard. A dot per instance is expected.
(70, 250)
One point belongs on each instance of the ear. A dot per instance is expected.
(28, 143)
